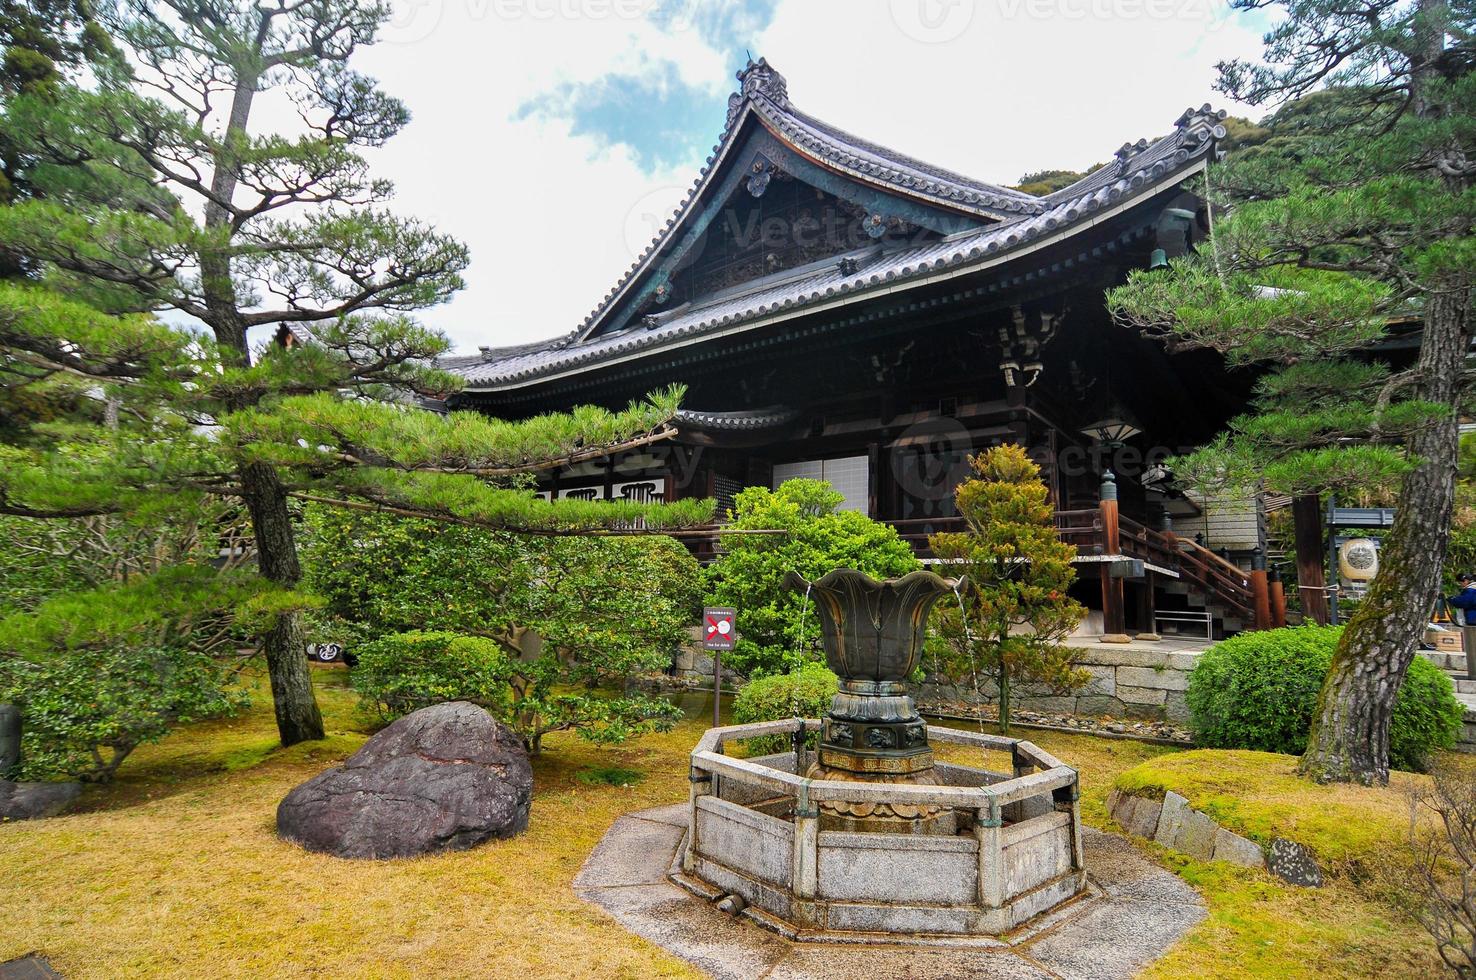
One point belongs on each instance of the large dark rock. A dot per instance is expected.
(444, 778)
(31, 801)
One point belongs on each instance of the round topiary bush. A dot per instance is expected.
(404, 672)
(1259, 691)
(805, 692)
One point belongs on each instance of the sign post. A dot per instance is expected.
(719, 633)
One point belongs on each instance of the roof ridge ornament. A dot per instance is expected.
(1127, 151)
(758, 79)
(1204, 122)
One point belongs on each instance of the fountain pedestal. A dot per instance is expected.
(874, 839)
(873, 634)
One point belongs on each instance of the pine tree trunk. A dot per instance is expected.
(1349, 741)
(1004, 697)
(1350, 734)
(298, 718)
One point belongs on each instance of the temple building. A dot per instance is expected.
(843, 311)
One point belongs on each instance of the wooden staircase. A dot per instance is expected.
(1178, 566)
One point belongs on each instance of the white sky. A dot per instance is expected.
(991, 89)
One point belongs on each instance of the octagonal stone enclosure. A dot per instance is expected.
(754, 831)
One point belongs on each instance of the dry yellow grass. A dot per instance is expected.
(176, 871)
(173, 874)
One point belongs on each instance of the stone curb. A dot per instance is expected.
(1173, 823)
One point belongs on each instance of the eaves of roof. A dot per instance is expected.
(1132, 178)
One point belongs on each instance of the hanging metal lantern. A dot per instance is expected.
(1358, 559)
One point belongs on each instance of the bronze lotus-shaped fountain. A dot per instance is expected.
(873, 632)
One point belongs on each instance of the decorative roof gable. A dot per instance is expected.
(890, 183)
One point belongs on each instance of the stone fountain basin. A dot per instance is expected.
(753, 830)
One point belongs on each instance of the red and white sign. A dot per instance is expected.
(719, 628)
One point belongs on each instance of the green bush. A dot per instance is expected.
(749, 575)
(1259, 691)
(83, 712)
(806, 692)
(404, 672)
(573, 618)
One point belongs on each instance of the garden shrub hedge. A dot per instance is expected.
(806, 691)
(1259, 691)
(403, 672)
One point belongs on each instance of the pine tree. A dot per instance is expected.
(1359, 215)
(160, 191)
(1018, 572)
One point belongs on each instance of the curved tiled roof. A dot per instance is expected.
(758, 418)
(896, 170)
(1139, 169)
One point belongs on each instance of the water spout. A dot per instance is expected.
(963, 619)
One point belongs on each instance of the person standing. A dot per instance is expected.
(1464, 600)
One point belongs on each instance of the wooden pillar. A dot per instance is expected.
(1311, 580)
(1148, 608)
(1114, 618)
(1261, 590)
(1278, 603)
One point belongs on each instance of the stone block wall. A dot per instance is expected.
(1140, 684)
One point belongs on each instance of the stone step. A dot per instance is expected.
(1446, 661)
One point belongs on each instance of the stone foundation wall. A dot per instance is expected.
(1141, 684)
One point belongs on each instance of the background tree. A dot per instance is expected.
(556, 617)
(156, 190)
(43, 43)
(1043, 182)
(1323, 239)
(1018, 573)
(813, 537)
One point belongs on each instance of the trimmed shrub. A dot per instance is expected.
(806, 692)
(749, 573)
(85, 711)
(404, 672)
(1259, 691)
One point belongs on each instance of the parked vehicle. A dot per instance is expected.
(328, 653)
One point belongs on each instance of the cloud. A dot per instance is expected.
(654, 113)
(555, 136)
